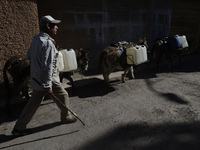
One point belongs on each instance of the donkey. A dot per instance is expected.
(162, 48)
(18, 67)
(110, 60)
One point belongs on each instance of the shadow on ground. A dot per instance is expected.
(90, 88)
(6, 138)
(168, 96)
(15, 110)
(184, 136)
(86, 88)
(145, 137)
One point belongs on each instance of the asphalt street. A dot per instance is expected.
(155, 111)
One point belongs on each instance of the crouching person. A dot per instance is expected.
(44, 75)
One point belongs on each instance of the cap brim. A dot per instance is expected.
(56, 21)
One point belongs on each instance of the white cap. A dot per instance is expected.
(48, 19)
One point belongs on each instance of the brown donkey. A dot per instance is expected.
(18, 68)
(110, 60)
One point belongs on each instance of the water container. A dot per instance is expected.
(184, 41)
(60, 62)
(131, 55)
(69, 59)
(144, 53)
(136, 55)
(174, 42)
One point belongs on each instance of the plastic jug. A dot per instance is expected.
(144, 53)
(184, 41)
(136, 55)
(69, 60)
(174, 42)
(60, 62)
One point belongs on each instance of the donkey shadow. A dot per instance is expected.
(90, 88)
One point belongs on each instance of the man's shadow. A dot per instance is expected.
(6, 138)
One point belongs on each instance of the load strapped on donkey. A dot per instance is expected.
(135, 54)
(67, 60)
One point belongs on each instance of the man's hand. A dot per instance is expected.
(49, 92)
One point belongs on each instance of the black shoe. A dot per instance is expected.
(19, 132)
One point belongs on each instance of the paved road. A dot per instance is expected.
(155, 111)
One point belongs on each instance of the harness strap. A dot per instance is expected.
(120, 50)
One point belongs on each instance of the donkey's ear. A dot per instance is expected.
(77, 52)
(87, 50)
(139, 38)
(145, 37)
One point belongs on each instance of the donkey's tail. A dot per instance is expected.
(5, 76)
(7, 83)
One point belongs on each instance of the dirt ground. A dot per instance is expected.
(155, 111)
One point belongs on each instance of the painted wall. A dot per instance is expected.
(95, 24)
(186, 21)
(19, 23)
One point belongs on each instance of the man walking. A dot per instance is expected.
(44, 75)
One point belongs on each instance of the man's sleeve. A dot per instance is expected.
(46, 66)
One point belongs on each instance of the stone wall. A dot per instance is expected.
(97, 23)
(19, 23)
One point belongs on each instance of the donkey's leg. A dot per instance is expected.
(160, 58)
(132, 72)
(61, 76)
(158, 64)
(124, 74)
(26, 88)
(9, 95)
(170, 64)
(25, 91)
(106, 78)
(69, 77)
(106, 74)
(180, 61)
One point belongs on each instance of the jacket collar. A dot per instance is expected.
(44, 34)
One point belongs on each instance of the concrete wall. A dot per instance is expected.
(95, 24)
(19, 23)
(186, 21)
